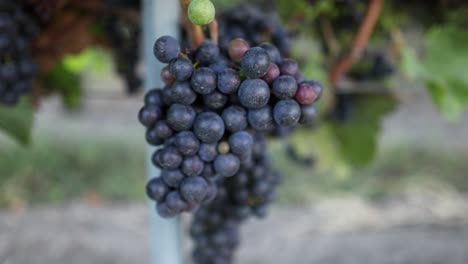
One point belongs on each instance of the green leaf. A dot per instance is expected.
(66, 82)
(17, 121)
(358, 137)
(443, 69)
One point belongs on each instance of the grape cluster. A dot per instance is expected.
(124, 35)
(253, 24)
(17, 67)
(206, 114)
(216, 227)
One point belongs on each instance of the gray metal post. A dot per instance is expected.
(160, 17)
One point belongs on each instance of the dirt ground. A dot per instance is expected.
(423, 228)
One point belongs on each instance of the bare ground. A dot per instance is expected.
(420, 228)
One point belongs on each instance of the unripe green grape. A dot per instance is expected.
(201, 12)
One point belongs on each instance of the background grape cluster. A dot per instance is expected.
(211, 120)
(17, 68)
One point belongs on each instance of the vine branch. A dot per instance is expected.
(360, 42)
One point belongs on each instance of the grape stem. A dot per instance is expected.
(360, 42)
(213, 27)
(195, 32)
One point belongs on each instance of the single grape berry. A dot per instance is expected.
(162, 129)
(194, 189)
(254, 93)
(149, 115)
(285, 87)
(255, 62)
(235, 118)
(261, 119)
(289, 67)
(272, 51)
(228, 81)
(215, 100)
(201, 12)
(287, 113)
(208, 152)
(152, 137)
(167, 158)
(218, 66)
(181, 68)
(227, 165)
(166, 48)
(203, 80)
(241, 142)
(306, 93)
(181, 93)
(272, 73)
(187, 143)
(166, 76)
(153, 97)
(175, 202)
(207, 53)
(192, 166)
(180, 117)
(209, 127)
(172, 177)
(237, 48)
(164, 211)
(308, 114)
(157, 189)
(208, 172)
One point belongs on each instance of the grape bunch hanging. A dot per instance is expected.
(207, 114)
(211, 121)
(17, 67)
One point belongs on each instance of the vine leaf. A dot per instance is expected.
(17, 121)
(442, 69)
(357, 139)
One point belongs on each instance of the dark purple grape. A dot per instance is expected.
(307, 93)
(167, 158)
(149, 115)
(235, 118)
(207, 53)
(181, 68)
(261, 119)
(187, 143)
(208, 152)
(227, 165)
(172, 177)
(166, 76)
(289, 67)
(254, 93)
(164, 211)
(162, 129)
(285, 87)
(192, 166)
(180, 117)
(215, 100)
(153, 97)
(194, 189)
(209, 127)
(255, 62)
(241, 142)
(203, 80)
(272, 51)
(228, 81)
(181, 93)
(287, 113)
(156, 189)
(308, 114)
(175, 202)
(166, 48)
